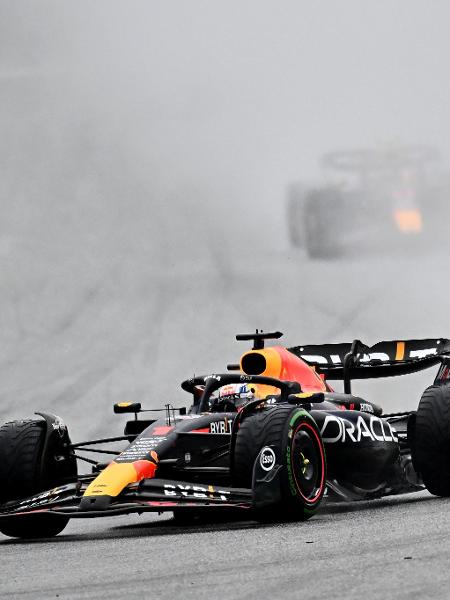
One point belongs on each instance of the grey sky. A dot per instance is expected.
(254, 90)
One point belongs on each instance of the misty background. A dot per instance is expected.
(146, 149)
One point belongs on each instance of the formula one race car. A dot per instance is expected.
(265, 443)
(370, 199)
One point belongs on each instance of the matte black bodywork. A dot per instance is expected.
(363, 455)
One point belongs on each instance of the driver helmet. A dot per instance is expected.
(235, 395)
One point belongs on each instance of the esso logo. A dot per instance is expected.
(267, 459)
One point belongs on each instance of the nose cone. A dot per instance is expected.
(114, 479)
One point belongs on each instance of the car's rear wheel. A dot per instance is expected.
(431, 449)
(294, 437)
(31, 463)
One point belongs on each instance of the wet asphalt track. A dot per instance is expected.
(391, 548)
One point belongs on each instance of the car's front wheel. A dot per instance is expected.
(291, 434)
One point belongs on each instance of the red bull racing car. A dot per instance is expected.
(266, 442)
(370, 199)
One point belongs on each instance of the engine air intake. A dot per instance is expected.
(253, 363)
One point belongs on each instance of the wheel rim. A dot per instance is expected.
(308, 462)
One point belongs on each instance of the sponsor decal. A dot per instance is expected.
(184, 417)
(140, 449)
(423, 353)
(366, 407)
(337, 429)
(316, 358)
(216, 377)
(335, 359)
(267, 459)
(195, 491)
(229, 390)
(221, 426)
(270, 401)
(59, 426)
(42, 499)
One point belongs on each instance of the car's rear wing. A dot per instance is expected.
(385, 359)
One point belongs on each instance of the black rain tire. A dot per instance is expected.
(321, 208)
(25, 471)
(295, 207)
(295, 223)
(295, 435)
(431, 450)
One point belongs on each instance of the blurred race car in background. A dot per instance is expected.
(370, 199)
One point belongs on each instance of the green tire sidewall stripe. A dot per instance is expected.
(292, 487)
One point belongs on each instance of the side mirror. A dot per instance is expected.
(127, 407)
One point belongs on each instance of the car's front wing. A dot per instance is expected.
(150, 495)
